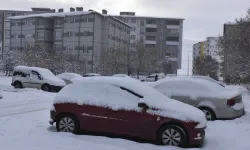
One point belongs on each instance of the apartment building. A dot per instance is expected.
(161, 34)
(210, 47)
(84, 34)
(5, 23)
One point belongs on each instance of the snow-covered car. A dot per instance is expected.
(151, 78)
(91, 75)
(239, 88)
(67, 77)
(209, 79)
(126, 107)
(214, 100)
(35, 77)
(123, 76)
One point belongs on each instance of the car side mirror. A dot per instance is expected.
(40, 77)
(143, 106)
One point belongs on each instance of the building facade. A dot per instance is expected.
(161, 34)
(5, 23)
(83, 34)
(210, 47)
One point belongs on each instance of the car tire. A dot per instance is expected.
(67, 123)
(210, 116)
(18, 85)
(172, 135)
(46, 87)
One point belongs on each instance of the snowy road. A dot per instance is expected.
(24, 117)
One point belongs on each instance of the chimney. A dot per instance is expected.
(104, 12)
(79, 8)
(60, 10)
(72, 9)
(91, 10)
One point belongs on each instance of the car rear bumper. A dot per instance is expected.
(51, 122)
(232, 113)
(52, 117)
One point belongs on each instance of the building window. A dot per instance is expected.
(59, 21)
(174, 39)
(72, 20)
(13, 24)
(174, 31)
(58, 34)
(142, 22)
(150, 38)
(151, 21)
(87, 33)
(133, 20)
(90, 19)
(151, 29)
(172, 47)
(40, 34)
(71, 34)
(150, 45)
(133, 37)
(66, 20)
(133, 29)
(173, 22)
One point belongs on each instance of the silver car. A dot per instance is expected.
(214, 100)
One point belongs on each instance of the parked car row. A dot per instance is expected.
(172, 111)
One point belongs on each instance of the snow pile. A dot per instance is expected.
(68, 76)
(45, 73)
(106, 92)
(186, 86)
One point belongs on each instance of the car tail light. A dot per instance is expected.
(230, 102)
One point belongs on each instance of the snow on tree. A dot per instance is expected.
(236, 46)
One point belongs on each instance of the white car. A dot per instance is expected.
(35, 77)
(68, 77)
(151, 78)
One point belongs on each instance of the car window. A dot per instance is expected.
(19, 73)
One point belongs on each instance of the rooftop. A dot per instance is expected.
(63, 14)
(131, 16)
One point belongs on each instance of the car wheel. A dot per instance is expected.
(67, 123)
(172, 135)
(210, 116)
(46, 88)
(18, 85)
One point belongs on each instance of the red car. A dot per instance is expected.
(127, 107)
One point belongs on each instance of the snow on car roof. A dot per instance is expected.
(190, 86)
(85, 92)
(68, 76)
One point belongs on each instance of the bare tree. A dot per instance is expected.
(236, 46)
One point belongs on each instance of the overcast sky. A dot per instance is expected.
(203, 18)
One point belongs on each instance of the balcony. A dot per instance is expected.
(151, 25)
(173, 26)
(150, 42)
(172, 43)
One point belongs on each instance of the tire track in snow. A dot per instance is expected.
(23, 108)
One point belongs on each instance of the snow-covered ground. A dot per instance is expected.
(24, 116)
